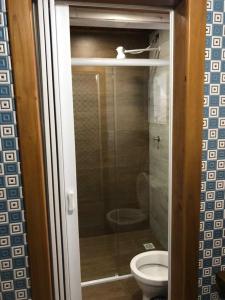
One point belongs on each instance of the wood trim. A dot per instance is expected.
(24, 68)
(189, 51)
(157, 3)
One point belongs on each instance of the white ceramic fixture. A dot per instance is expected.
(150, 269)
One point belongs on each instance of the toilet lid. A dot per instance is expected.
(142, 188)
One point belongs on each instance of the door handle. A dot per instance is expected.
(70, 202)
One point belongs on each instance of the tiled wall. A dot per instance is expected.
(158, 153)
(88, 151)
(111, 128)
(14, 277)
(111, 125)
(212, 215)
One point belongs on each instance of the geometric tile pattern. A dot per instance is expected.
(14, 270)
(212, 214)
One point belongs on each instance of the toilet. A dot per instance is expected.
(126, 219)
(150, 269)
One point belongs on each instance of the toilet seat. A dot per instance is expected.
(151, 268)
(160, 272)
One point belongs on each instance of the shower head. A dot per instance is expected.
(121, 51)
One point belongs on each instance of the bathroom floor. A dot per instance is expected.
(107, 255)
(117, 290)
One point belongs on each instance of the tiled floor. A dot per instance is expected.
(117, 290)
(107, 255)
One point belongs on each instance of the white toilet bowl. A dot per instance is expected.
(150, 269)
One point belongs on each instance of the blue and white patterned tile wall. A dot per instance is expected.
(212, 215)
(14, 276)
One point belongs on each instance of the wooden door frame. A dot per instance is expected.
(189, 41)
(24, 68)
(187, 127)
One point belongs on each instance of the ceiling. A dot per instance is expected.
(117, 18)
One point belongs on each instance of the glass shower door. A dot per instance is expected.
(121, 135)
(142, 153)
(112, 159)
(95, 170)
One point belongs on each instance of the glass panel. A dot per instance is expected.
(141, 161)
(95, 176)
(142, 97)
(121, 133)
(159, 153)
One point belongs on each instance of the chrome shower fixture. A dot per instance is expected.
(121, 51)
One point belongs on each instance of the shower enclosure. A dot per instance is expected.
(121, 125)
(113, 148)
(118, 188)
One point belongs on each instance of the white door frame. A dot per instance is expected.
(66, 153)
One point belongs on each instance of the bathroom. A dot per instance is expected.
(113, 208)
